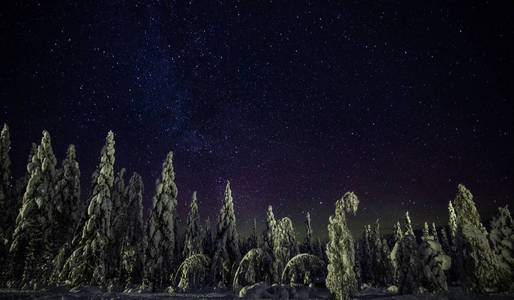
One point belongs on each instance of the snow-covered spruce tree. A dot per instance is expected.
(87, 264)
(253, 240)
(452, 223)
(394, 256)
(445, 242)
(434, 232)
(5, 192)
(118, 225)
(226, 255)
(68, 197)
(208, 242)
(426, 231)
(478, 266)
(367, 272)
(133, 244)
(6, 198)
(502, 241)
(382, 266)
(408, 261)
(308, 246)
(340, 249)
(194, 230)
(160, 252)
(270, 232)
(285, 246)
(433, 263)
(34, 243)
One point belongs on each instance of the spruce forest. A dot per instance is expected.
(51, 241)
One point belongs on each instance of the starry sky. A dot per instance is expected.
(295, 103)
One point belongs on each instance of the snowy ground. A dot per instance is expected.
(454, 293)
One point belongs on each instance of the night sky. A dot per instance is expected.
(294, 103)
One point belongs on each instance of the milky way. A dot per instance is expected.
(294, 103)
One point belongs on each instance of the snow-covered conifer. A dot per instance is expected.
(34, 238)
(502, 241)
(270, 231)
(408, 261)
(208, 242)
(477, 264)
(68, 195)
(194, 230)
(452, 222)
(426, 231)
(285, 245)
(87, 264)
(309, 243)
(5, 191)
(226, 254)
(434, 232)
(133, 243)
(397, 232)
(341, 278)
(161, 229)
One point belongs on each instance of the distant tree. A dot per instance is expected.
(397, 232)
(367, 272)
(270, 232)
(118, 224)
(409, 264)
(285, 246)
(477, 264)
(34, 236)
(194, 230)
(226, 254)
(133, 243)
(426, 231)
(502, 241)
(5, 192)
(341, 279)
(160, 252)
(434, 232)
(208, 242)
(445, 242)
(452, 223)
(87, 264)
(7, 201)
(308, 246)
(68, 197)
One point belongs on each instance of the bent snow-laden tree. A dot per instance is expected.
(433, 262)
(194, 230)
(87, 264)
(160, 252)
(340, 249)
(34, 245)
(304, 269)
(256, 266)
(477, 264)
(193, 273)
(226, 254)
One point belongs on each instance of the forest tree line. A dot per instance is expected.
(48, 238)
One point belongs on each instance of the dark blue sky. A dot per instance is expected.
(294, 103)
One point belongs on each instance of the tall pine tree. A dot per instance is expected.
(226, 253)
(161, 252)
(89, 262)
(341, 279)
(133, 243)
(5, 192)
(194, 230)
(34, 237)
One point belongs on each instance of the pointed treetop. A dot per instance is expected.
(397, 231)
(465, 207)
(426, 232)
(5, 136)
(408, 225)
(71, 153)
(452, 220)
